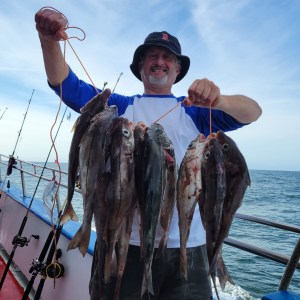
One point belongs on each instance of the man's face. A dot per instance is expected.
(159, 67)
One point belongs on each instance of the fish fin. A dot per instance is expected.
(183, 261)
(81, 239)
(147, 284)
(161, 246)
(114, 265)
(68, 215)
(223, 273)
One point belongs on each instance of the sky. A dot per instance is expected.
(249, 47)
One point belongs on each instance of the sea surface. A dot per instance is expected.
(273, 195)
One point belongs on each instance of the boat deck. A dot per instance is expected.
(11, 289)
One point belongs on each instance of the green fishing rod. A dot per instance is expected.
(18, 240)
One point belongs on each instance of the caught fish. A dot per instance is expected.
(88, 111)
(150, 182)
(100, 214)
(121, 188)
(189, 187)
(237, 181)
(212, 198)
(92, 161)
(139, 133)
(169, 197)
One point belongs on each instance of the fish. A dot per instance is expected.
(212, 198)
(237, 182)
(88, 111)
(169, 192)
(100, 215)
(189, 187)
(92, 165)
(140, 166)
(213, 193)
(150, 182)
(121, 188)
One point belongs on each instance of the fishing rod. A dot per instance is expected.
(11, 160)
(3, 113)
(117, 82)
(104, 85)
(18, 240)
(46, 269)
(25, 115)
(52, 270)
(37, 265)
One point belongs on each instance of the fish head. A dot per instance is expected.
(234, 160)
(121, 137)
(213, 159)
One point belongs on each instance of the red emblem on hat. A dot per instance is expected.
(165, 36)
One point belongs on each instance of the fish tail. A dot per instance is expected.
(69, 214)
(117, 289)
(183, 263)
(81, 239)
(161, 246)
(147, 284)
(223, 273)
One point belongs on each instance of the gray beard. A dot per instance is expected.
(158, 81)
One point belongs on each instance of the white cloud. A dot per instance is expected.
(248, 47)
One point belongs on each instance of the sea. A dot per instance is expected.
(273, 195)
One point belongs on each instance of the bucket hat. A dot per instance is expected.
(160, 39)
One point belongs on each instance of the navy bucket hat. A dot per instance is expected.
(160, 39)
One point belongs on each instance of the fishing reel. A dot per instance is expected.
(22, 241)
(53, 270)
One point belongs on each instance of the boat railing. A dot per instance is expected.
(34, 170)
(292, 262)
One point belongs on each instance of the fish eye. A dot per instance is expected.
(225, 147)
(126, 132)
(207, 154)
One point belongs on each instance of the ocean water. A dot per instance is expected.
(273, 195)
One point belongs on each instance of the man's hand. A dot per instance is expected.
(204, 93)
(51, 25)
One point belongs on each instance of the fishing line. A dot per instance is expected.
(210, 119)
(18, 236)
(178, 104)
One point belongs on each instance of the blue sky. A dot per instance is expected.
(249, 47)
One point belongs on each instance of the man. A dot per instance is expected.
(158, 63)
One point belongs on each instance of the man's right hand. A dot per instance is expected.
(51, 25)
